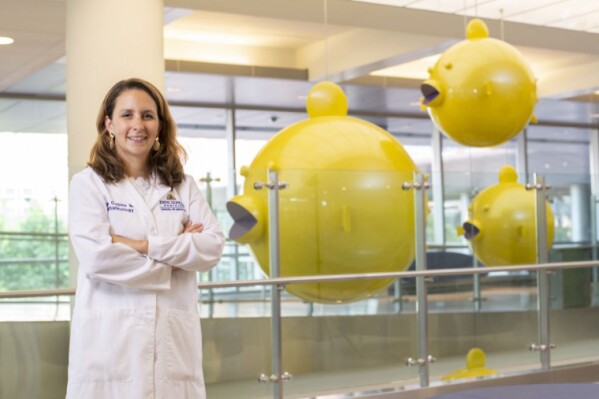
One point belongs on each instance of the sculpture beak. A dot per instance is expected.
(248, 223)
(432, 92)
(471, 230)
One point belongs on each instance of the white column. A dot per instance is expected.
(231, 133)
(106, 41)
(594, 164)
(438, 187)
(522, 157)
(581, 215)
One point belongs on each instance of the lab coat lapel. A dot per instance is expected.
(160, 191)
(145, 208)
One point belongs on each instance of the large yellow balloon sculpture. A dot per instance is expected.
(501, 228)
(344, 210)
(481, 92)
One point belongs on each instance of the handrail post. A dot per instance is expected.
(476, 295)
(208, 180)
(543, 304)
(595, 270)
(423, 359)
(274, 262)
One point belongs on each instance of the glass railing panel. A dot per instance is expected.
(34, 353)
(337, 352)
(346, 336)
(494, 311)
(237, 350)
(494, 317)
(573, 319)
(572, 315)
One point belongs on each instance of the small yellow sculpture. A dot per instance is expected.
(501, 228)
(344, 210)
(475, 367)
(481, 92)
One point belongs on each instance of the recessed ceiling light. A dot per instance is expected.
(4, 40)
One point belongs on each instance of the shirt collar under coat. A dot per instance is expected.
(158, 191)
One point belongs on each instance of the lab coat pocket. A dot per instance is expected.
(184, 346)
(101, 346)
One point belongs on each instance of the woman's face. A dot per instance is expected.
(135, 125)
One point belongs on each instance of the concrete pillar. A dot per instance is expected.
(106, 41)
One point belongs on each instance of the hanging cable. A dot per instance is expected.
(326, 40)
(501, 23)
(465, 9)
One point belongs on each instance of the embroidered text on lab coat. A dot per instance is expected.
(119, 206)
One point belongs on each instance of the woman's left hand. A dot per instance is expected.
(192, 228)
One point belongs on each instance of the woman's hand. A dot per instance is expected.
(192, 228)
(140, 246)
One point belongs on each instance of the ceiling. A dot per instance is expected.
(581, 15)
(264, 55)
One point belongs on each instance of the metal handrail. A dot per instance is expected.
(282, 281)
(32, 234)
(23, 261)
(36, 293)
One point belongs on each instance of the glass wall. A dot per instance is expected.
(567, 171)
(33, 211)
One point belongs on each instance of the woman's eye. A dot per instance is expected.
(149, 116)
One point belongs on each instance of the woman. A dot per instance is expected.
(141, 230)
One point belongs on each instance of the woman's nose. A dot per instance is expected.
(137, 123)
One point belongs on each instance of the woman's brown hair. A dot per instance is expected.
(166, 163)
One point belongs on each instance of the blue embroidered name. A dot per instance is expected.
(171, 205)
(119, 206)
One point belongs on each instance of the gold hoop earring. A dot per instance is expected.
(156, 145)
(111, 141)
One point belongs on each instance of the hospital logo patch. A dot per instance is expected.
(171, 203)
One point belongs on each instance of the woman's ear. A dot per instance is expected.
(107, 123)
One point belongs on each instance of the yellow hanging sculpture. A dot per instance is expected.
(501, 228)
(344, 210)
(481, 92)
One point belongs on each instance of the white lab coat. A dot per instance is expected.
(135, 331)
